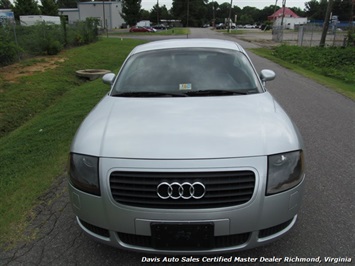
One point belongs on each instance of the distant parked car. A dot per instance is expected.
(160, 27)
(220, 26)
(150, 28)
(232, 26)
(265, 27)
(140, 29)
(124, 26)
(248, 26)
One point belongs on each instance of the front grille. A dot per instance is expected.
(218, 241)
(223, 189)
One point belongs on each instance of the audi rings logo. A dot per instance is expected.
(185, 190)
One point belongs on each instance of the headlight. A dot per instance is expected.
(84, 173)
(285, 171)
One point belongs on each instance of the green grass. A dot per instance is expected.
(332, 67)
(30, 95)
(31, 62)
(173, 31)
(35, 153)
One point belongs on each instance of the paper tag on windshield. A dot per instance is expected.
(184, 87)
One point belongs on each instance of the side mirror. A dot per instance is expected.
(267, 75)
(108, 78)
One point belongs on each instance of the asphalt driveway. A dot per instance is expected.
(326, 222)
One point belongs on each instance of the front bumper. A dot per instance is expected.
(260, 220)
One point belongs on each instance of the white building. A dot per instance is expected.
(35, 19)
(104, 11)
(290, 23)
(72, 14)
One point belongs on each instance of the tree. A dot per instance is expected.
(155, 13)
(25, 7)
(248, 15)
(131, 11)
(222, 12)
(342, 9)
(190, 12)
(315, 9)
(265, 12)
(164, 13)
(236, 11)
(5, 4)
(298, 11)
(246, 19)
(251, 11)
(158, 13)
(67, 4)
(145, 14)
(211, 12)
(49, 8)
(326, 23)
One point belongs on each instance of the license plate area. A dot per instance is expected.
(175, 236)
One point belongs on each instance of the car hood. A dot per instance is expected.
(186, 128)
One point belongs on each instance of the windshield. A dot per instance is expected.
(186, 72)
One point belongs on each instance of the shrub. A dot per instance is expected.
(44, 39)
(351, 37)
(41, 38)
(83, 32)
(335, 62)
(9, 51)
(54, 47)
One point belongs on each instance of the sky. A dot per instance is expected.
(260, 4)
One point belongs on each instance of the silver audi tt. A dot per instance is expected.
(187, 154)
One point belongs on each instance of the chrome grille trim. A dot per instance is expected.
(223, 188)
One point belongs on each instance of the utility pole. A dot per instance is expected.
(214, 15)
(275, 8)
(283, 12)
(187, 13)
(281, 36)
(229, 17)
(326, 23)
(351, 25)
(187, 18)
(158, 12)
(104, 17)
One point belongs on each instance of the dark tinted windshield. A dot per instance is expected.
(185, 71)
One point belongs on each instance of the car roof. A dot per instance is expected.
(188, 43)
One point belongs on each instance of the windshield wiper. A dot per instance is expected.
(149, 94)
(216, 92)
